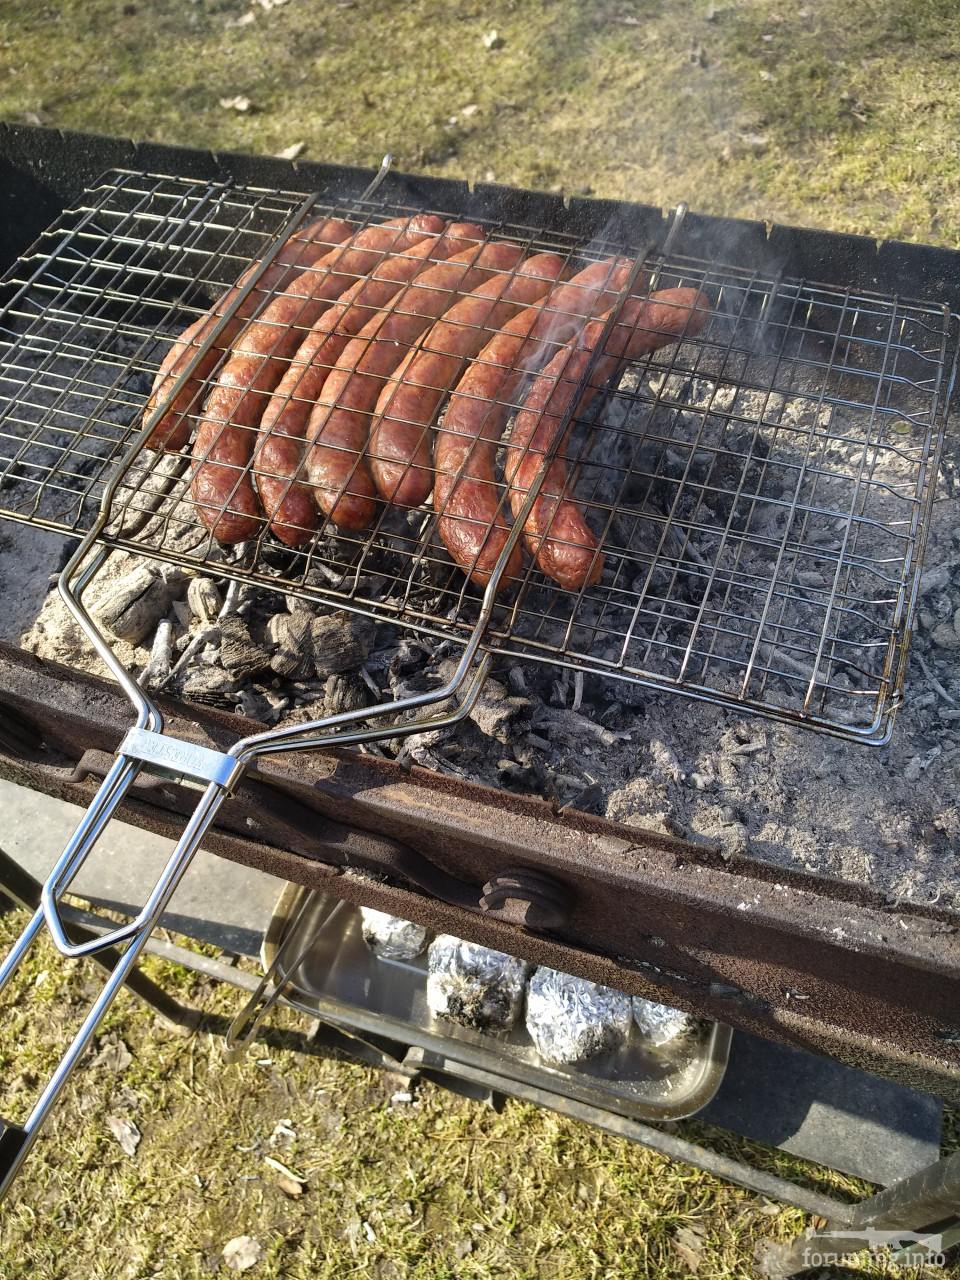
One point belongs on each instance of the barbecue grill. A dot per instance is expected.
(761, 492)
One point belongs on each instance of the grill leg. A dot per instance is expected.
(21, 887)
(917, 1217)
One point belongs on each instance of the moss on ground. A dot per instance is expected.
(843, 116)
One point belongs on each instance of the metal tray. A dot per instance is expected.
(327, 970)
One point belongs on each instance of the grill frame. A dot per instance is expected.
(793, 942)
(762, 297)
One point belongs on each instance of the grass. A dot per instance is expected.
(439, 1190)
(837, 115)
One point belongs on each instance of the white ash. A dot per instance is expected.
(389, 937)
(658, 1024)
(474, 986)
(571, 1020)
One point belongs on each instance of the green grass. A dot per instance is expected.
(838, 115)
(447, 1188)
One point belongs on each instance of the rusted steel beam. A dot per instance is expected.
(823, 964)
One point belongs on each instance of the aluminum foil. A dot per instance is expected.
(390, 937)
(658, 1023)
(570, 1019)
(474, 986)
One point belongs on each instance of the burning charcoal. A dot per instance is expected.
(341, 642)
(252, 704)
(210, 685)
(496, 712)
(204, 599)
(658, 1023)
(944, 636)
(157, 669)
(326, 645)
(472, 985)
(134, 604)
(291, 634)
(570, 1019)
(391, 938)
(240, 655)
(343, 693)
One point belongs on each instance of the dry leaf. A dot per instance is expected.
(291, 152)
(114, 1057)
(691, 1258)
(470, 109)
(283, 1134)
(238, 103)
(492, 40)
(241, 1253)
(125, 1132)
(243, 21)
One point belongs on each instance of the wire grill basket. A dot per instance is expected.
(760, 489)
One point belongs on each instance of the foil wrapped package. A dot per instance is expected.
(474, 986)
(570, 1019)
(658, 1023)
(390, 937)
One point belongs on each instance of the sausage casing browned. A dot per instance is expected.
(288, 502)
(466, 495)
(221, 486)
(557, 535)
(400, 450)
(340, 422)
(172, 431)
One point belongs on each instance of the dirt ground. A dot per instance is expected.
(843, 116)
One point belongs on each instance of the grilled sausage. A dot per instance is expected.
(400, 446)
(557, 535)
(304, 247)
(339, 423)
(465, 493)
(221, 486)
(288, 503)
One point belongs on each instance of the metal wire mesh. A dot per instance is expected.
(760, 491)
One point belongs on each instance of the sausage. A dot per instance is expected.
(400, 450)
(556, 533)
(172, 430)
(288, 503)
(465, 493)
(339, 422)
(221, 486)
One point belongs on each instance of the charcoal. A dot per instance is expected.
(343, 693)
(291, 635)
(210, 685)
(204, 599)
(340, 641)
(240, 655)
(157, 669)
(135, 604)
(325, 645)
